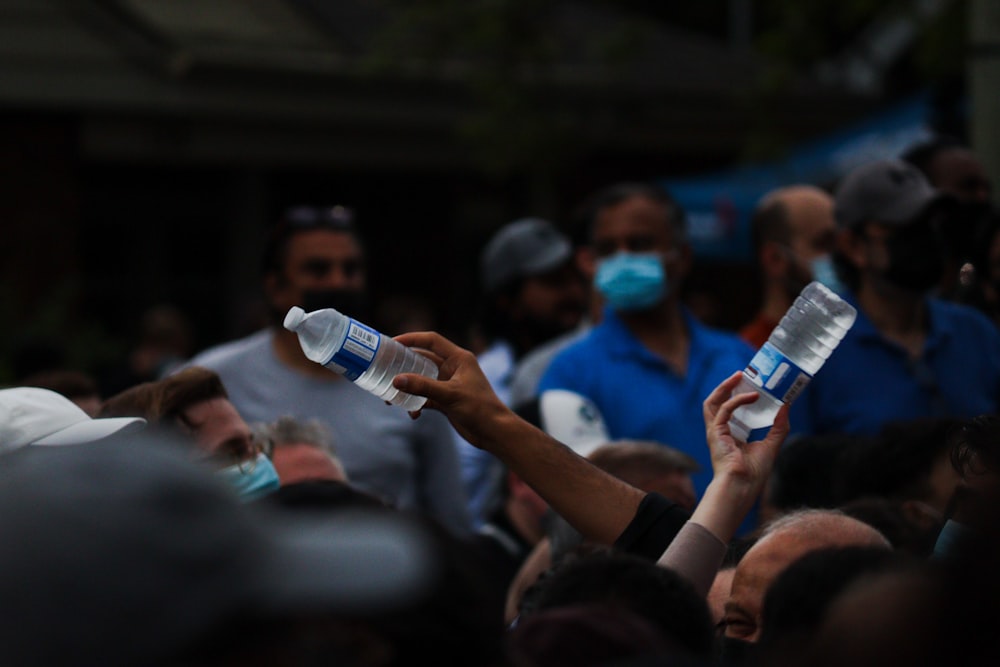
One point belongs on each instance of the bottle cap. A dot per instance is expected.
(294, 318)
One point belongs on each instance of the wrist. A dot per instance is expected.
(724, 505)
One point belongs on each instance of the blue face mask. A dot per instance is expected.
(251, 479)
(631, 281)
(825, 274)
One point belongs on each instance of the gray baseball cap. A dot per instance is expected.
(525, 247)
(888, 191)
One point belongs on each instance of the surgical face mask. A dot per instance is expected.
(632, 281)
(824, 273)
(251, 479)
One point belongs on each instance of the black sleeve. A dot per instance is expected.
(656, 523)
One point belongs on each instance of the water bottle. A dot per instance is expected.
(366, 357)
(806, 336)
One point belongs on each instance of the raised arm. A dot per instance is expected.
(597, 504)
(740, 471)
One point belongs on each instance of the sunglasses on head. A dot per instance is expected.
(333, 217)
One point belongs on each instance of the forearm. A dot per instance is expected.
(725, 504)
(696, 554)
(594, 502)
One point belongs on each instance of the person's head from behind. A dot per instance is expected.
(807, 473)
(925, 615)
(974, 450)
(783, 542)
(35, 416)
(532, 287)
(793, 234)
(77, 386)
(193, 404)
(797, 601)
(953, 167)
(126, 552)
(314, 258)
(638, 249)
(616, 580)
(890, 238)
(909, 463)
(650, 466)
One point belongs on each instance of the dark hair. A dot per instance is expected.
(769, 222)
(975, 445)
(620, 580)
(165, 400)
(302, 219)
(808, 469)
(586, 214)
(922, 155)
(70, 383)
(797, 600)
(887, 517)
(897, 463)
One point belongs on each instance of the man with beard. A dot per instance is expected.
(314, 259)
(533, 293)
(952, 167)
(908, 355)
(793, 234)
(649, 363)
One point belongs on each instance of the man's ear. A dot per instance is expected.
(586, 261)
(773, 259)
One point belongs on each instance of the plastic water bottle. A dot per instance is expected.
(366, 357)
(806, 336)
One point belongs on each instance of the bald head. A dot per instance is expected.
(784, 214)
(782, 543)
(792, 226)
(798, 198)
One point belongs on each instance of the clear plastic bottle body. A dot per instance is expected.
(390, 360)
(804, 339)
(368, 358)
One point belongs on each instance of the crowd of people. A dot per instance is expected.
(571, 492)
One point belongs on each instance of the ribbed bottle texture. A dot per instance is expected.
(804, 339)
(368, 358)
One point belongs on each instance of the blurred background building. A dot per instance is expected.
(145, 145)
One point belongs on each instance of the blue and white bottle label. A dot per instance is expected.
(776, 374)
(356, 354)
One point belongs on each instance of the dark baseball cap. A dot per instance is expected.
(888, 191)
(526, 247)
(126, 552)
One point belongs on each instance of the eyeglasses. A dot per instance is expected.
(238, 453)
(331, 217)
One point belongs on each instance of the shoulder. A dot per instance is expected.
(720, 339)
(233, 352)
(961, 319)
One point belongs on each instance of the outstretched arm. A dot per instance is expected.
(597, 504)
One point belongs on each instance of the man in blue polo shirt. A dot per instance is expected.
(649, 364)
(908, 354)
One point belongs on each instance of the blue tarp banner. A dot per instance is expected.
(719, 204)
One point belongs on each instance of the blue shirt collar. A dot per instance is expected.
(940, 328)
(620, 341)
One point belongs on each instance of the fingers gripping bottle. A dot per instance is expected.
(366, 357)
(806, 336)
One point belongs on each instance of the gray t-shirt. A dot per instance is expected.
(412, 464)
